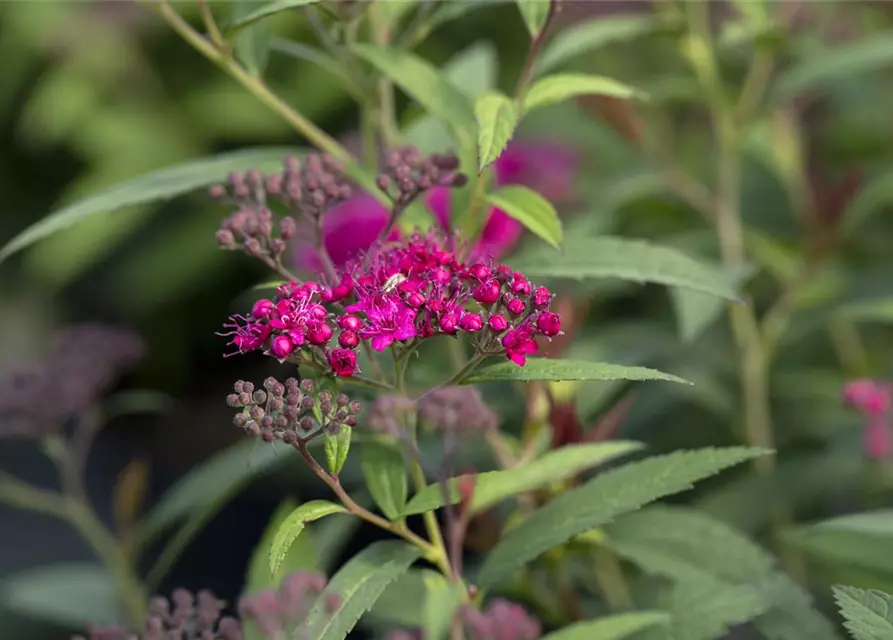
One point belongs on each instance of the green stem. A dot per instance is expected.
(255, 85)
(386, 106)
(848, 346)
(457, 377)
(431, 524)
(611, 581)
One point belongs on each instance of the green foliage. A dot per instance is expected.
(607, 257)
(616, 627)
(548, 369)
(868, 613)
(560, 87)
(602, 499)
(497, 117)
(385, 475)
(492, 487)
(293, 525)
(535, 14)
(265, 10)
(251, 41)
(357, 586)
(337, 446)
(530, 209)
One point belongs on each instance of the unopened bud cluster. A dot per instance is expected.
(408, 174)
(81, 363)
(276, 610)
(292, 411)
(184, 617)
(457, 409)
(501, 620)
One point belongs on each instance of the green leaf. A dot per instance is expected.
(616, 627)
(301, 555)
(530, 209)
(385, 475)
(497, 117)
(560, 87)
(879, 310)
(357, 586)
(637, 260)
(294, 524)
(695, 311)
(595, 34)
(534, 13)
(69, 594)
(833, 64)
(251, 43)
(301, 51)
(336, 447)
(441, 601)
(492, 487)
(159, 185)
(862, 540)
(868, 613)
(421, 80)
(558, 370)
(601, 500)
(264, 10)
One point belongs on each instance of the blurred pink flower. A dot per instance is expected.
(873, 400)
(353, 226)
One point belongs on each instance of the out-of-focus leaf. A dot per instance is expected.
(595, 34)
(290, 529)
(534, 13)
(549, 369)
(616, 627)
(133, 401)
(879, 310)
(259, 11)
(474, 70)
(816, 71)
(159, 185)
(130, 493)
(357, 586)
(530, 209)
(560, 87)
(402, 603)
(441, 601)
(70, 594)
(601, 500)
(492, 487)
(868, 613)
(251, 41)
(863, 540)
(695, 311)
(497, 117)
(302, 51)
(636, 260)
(385, 474)
(421, 80)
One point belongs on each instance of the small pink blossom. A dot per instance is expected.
(873, 400)
(343, 362)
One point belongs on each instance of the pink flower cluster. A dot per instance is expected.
(873, 400)
(400, 293)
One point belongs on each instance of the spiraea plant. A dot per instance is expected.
(430, 326)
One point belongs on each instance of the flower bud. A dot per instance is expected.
(497, 323)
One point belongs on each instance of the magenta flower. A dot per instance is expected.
(353, 226)
(873, 400)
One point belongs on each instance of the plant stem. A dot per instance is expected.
(611, 581)
(386, 107)
(536, 46)
(211, 24)
(431, 524)
(457, 377)
(256, 86)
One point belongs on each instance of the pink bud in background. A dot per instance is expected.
(872, 399)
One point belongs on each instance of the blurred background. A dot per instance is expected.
(93, 93)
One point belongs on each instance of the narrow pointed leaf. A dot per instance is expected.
(252, 44)
(301, 556)
(385, 476)
(616, 627)
(601, 500)
(557, 370)
(530, 209)
(497, 117)
(492, 487)
(421, 80)
(868, 613)
(534, 14)
(163, 184)
(356, 587)
(636, 260)
(560, 87)
(337, 446)
(294, 524)
(262, 11)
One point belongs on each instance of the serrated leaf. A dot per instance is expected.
(337, 446)
(530, 209)
(252, 43)
(534, 14)
(637, 260)
(583, 38)
(70, 594)
(385, 475)
(560, 87)
(614, 627)
(868, 613)
(301, 555)
(357, 586)
(549, 369)
(601, 500)
(841, 62)
(421, 80)
(492, 487)
(497, 117)
(263, 11)
(158, 185)
(294, 524)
